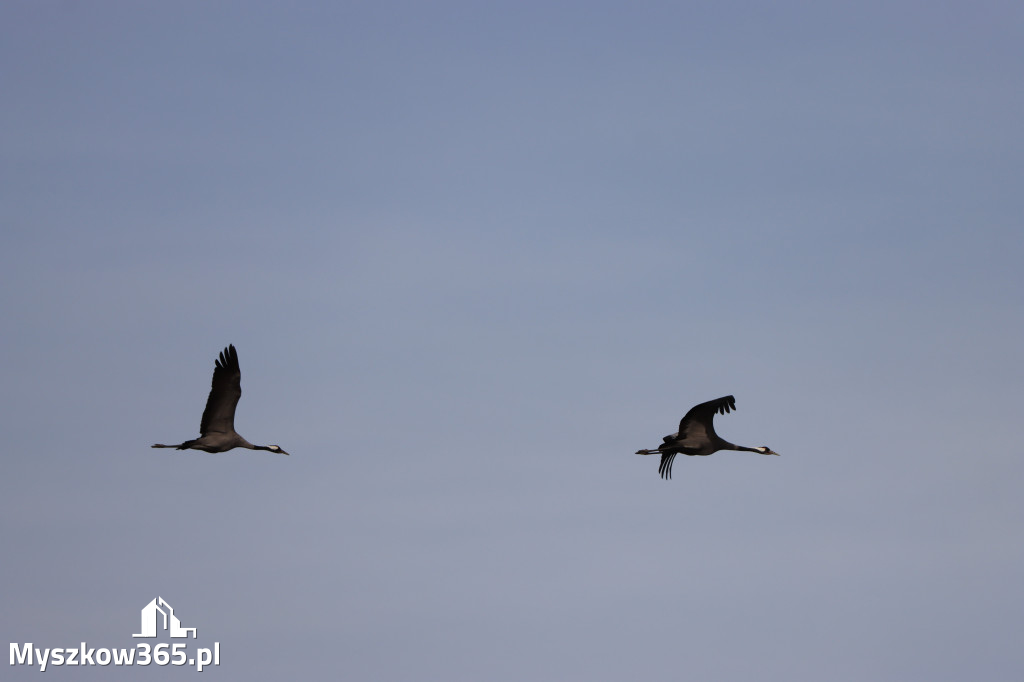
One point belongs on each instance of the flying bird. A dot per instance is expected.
(217, 428)
(696, 436)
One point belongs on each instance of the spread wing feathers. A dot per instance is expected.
(219, 415)
(665, 469)
(696, 427)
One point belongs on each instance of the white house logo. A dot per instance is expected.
(157, 616)
(150, 620)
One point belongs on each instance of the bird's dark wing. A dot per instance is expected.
(219, 415)
(696, 427)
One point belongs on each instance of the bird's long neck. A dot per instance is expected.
(741, 448)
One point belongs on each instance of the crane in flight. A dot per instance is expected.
(696, 436)
(217, 429)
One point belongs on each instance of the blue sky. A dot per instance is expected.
(473, 256)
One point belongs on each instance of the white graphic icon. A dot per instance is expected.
(149, 620)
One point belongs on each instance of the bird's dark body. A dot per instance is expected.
(696, 436)
(218, 423)
(213, 443)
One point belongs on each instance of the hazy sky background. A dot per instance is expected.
(473, 256)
